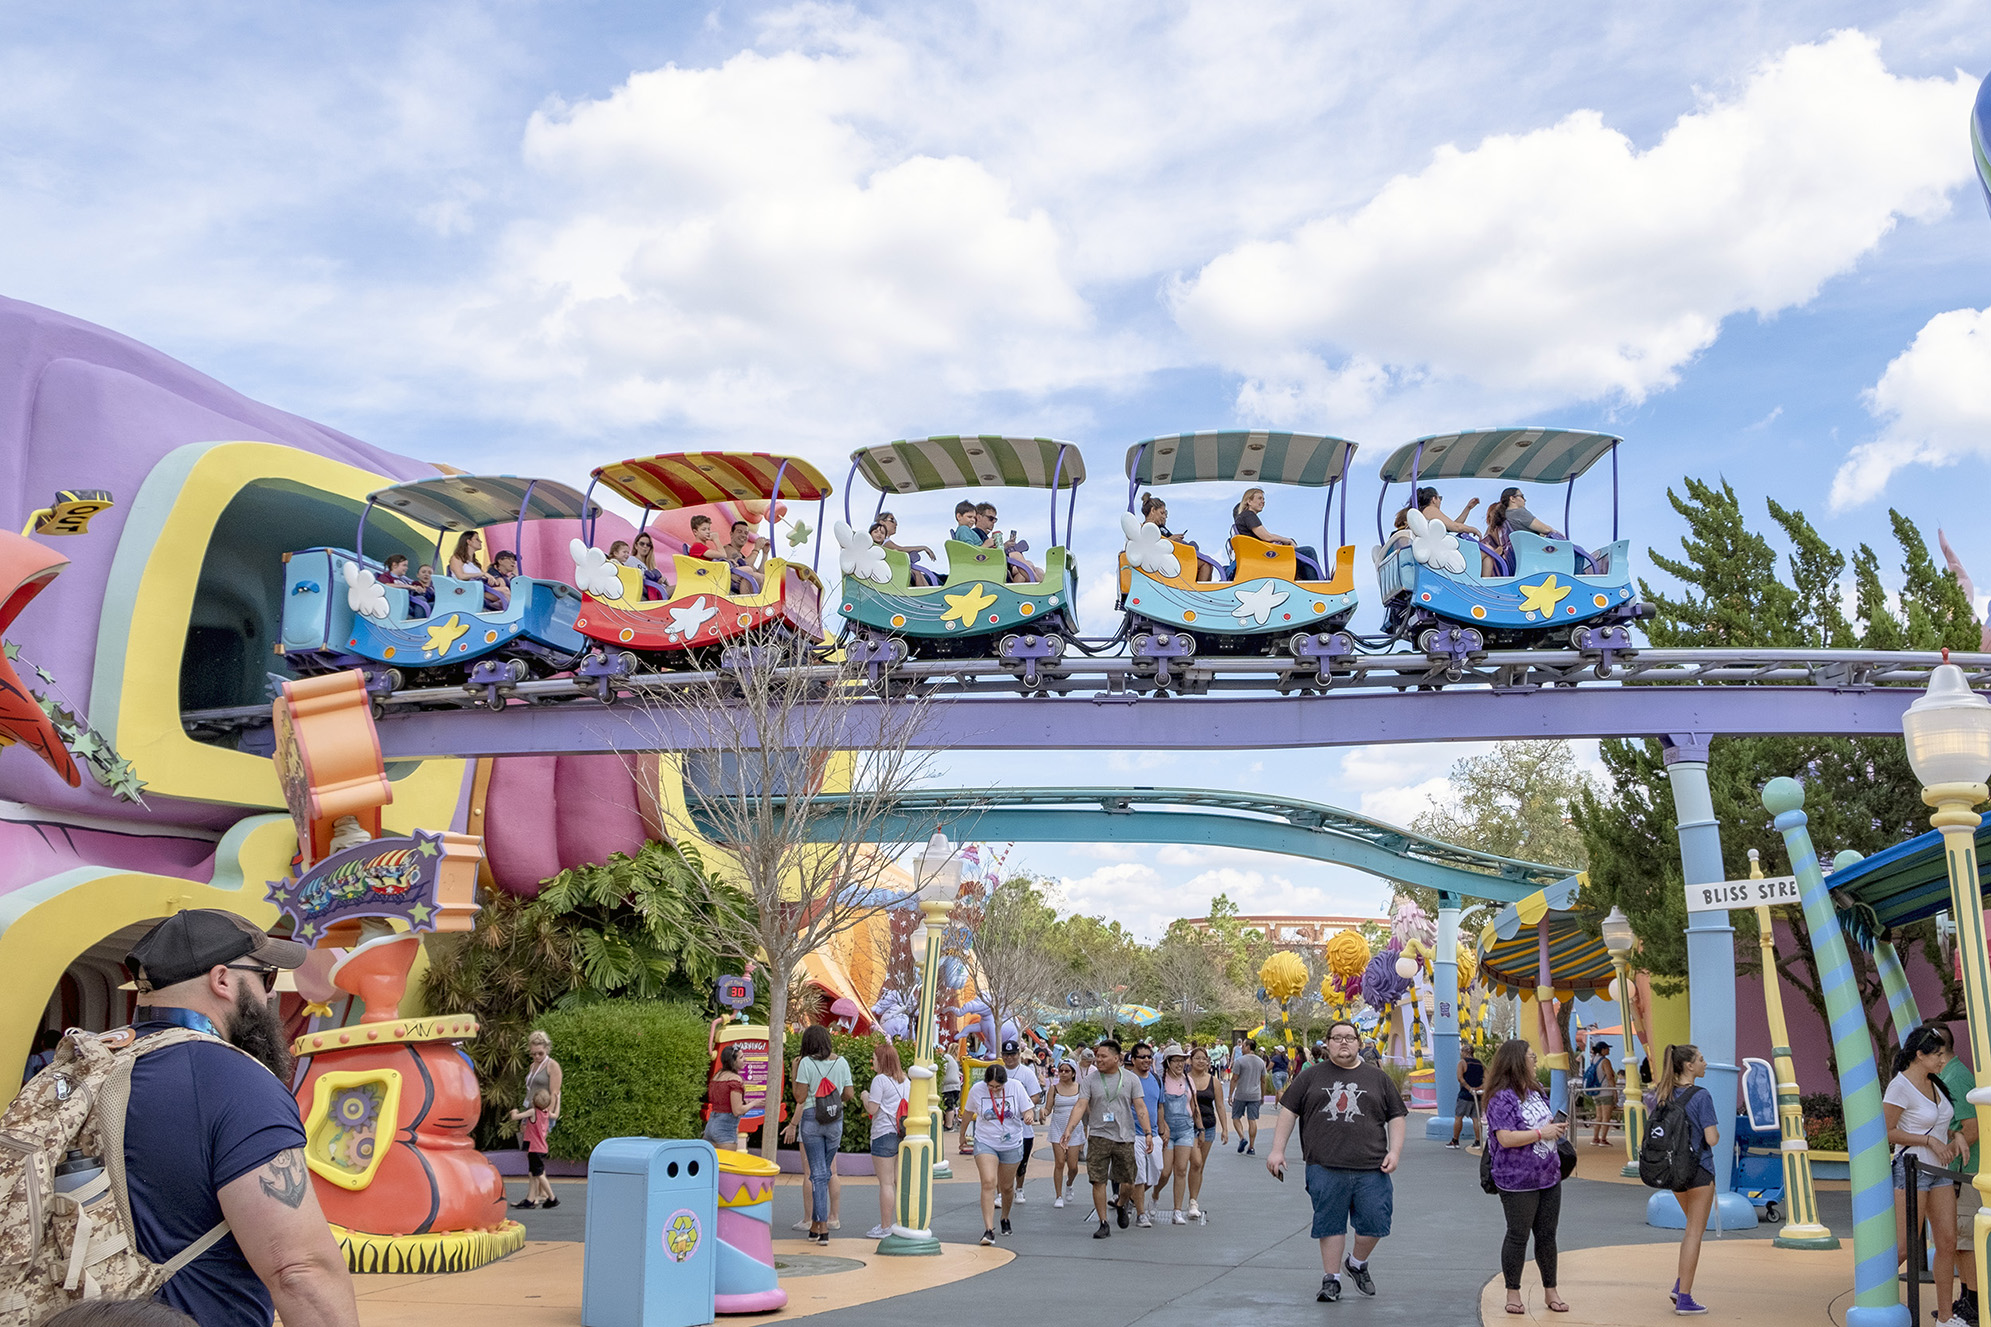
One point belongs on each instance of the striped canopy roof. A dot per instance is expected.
(1509, 954)
(983, 460)
(1308, 460)
(693, 479)
(471, 502)
(1519, 456)
(1908, 882)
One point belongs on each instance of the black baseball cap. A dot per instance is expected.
(1011, 1048)
(190, 943)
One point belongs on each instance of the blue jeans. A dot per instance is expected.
(820, 1141)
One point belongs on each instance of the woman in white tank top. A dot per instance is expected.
(1065, 1155)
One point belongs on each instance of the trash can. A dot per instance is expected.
(650, 1253)
(745, 1281)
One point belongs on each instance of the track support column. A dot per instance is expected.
(1711, 983)
(1445, 1017)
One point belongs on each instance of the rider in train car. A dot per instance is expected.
(1245, 520)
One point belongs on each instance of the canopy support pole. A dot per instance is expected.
(1057, 472)
(1444, 1013)
(359, 537)
(518, 527)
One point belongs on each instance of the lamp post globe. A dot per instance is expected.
(1617, 931)
(1948, 731)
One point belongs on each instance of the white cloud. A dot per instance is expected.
(1146, 900)
(1401, 805)
(1935, 403)
(1566, 263)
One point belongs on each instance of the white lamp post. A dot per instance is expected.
(1948, 731)
(1618, 938)
(920, 1159)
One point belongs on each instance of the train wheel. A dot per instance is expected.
(1426, 639)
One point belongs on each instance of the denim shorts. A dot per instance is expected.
(1926, 1178)
(1244, 1110)
(885, 1145)
(1364, 1199)
(1008, 1156)
(1207, 1135)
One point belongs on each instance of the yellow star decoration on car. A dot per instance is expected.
(443, 634)
(967, 605)
(1544, 597)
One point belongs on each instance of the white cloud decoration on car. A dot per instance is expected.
(1433, 545)
(1147, 548)
(859, 557)
(593, 573)
(364, 594)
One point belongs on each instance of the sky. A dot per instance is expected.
(538, 237)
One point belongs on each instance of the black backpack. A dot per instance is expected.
(1670, 1157)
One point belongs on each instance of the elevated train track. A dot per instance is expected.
(1079, 701)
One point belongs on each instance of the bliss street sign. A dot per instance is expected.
(1726, 894)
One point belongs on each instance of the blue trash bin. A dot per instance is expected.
(653, 1207)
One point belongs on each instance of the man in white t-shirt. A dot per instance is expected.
(1019, 1072)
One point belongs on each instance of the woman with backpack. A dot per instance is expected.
(886, 1099)
(1522, 1132)
(822, 1087)
(1918, 1111)
(1682, 1109)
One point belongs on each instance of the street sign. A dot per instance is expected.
(1726, 894)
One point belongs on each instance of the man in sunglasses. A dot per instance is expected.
(212, 1132)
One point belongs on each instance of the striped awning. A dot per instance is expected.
(1308, 460)
(1518, 456)
(471, 502)
(1509, 946)
(1909, 881)
(983, 460)
(694, 479)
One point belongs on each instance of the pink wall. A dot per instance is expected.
(1810, 1039)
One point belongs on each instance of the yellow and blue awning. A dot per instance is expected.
(1510, 946)
(1514, 456)
(696, 479)
(984, 460)
(472, 502)
(1306, 460)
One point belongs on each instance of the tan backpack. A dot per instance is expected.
(62, 1242)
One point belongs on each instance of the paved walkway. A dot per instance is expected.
(1253, 1263)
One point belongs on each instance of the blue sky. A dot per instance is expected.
(539, 236)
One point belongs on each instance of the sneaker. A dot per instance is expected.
(527, 1205)
(550, 1204)
(1146, 1222)
(1674, 1293)
(988, 1237)
(1251, 1151)
(803, 1224)
(1330, 1290)
(1019, 1194)
(1452, 1146)
(1685, 1306)
(1103, 1231)
(835, 1224)
(1005, 1225)
(1363, 1281)
(1240, 1147)
(876, 1232)
(1177, 1219)
(1195, 1212)
(1120, 1213)
(824, 1239)
(1059, 1201)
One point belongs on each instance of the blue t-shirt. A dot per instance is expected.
(202, 1116)
(1700, 1113)
(1151, 1089)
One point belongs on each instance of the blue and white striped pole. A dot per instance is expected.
(1876, 1296)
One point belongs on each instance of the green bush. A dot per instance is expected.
(629, 1068)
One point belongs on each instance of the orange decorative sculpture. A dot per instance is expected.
(26, 568)
(388, 1103)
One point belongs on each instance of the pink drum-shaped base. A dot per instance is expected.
(761, 1301)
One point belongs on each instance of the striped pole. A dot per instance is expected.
(1802, 1228)
(913, 1232)
(1958, 822)
(1894, 981)
(1876, 1298)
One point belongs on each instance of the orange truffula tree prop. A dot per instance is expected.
(388, 1103)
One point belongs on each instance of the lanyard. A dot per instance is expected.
(186, 1018)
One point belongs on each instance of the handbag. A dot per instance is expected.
(1486, 1164)
(1565, 1153)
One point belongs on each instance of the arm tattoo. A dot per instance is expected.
(285, 1178)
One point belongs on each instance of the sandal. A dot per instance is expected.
(1517, 1309)
(1557, 1305)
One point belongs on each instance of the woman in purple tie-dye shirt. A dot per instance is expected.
(1522, 1133)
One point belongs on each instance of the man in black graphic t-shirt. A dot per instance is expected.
(1351, 1119)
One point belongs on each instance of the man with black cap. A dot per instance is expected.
(212, 1133)
(1019, 1072)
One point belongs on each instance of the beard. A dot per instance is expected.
(257, 1030)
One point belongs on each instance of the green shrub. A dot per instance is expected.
(629, 1069)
